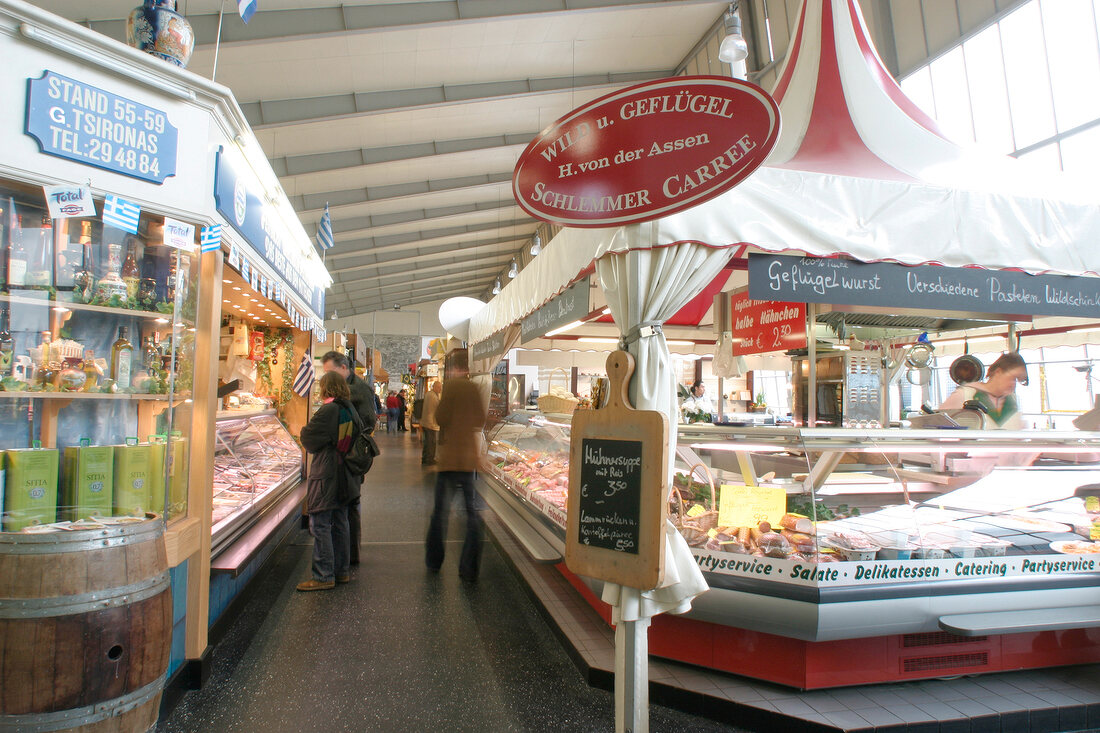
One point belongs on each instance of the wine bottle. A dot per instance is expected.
(91, 371)
(7, 344)
(84, 279)
(17, 254)
(130, 274)
(122, 352)
(40, 274)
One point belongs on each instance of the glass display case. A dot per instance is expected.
(97, 339)
(256, 460)
(845, 533)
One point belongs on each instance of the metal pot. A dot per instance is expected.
(966, 369)
(919, 355)
(921, 376)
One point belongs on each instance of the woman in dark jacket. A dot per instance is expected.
(328, 436)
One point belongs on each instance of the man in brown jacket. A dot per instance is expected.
(461, 418)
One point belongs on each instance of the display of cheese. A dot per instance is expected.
(87, 481)
(30, 496)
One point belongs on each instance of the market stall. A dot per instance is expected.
(112, 303)
(858, 175)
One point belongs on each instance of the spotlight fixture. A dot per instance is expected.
(513, 270)
(536, 244)
(733, 48)
(496, 287)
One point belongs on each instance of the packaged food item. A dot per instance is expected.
(87, 487)
(774, 544)
(133, 477)
(797, 523)
(30, 497)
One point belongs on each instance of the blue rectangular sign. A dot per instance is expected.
(246, 211)
(86, 124)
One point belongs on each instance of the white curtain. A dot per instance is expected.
(648, 286)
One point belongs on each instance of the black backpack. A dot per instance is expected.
(361, 455)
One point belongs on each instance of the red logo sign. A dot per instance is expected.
(761, 326)
(647, 151)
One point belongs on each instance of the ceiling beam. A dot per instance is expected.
(296, 165)
(299, 23)
(416, 273)
(366, 246)
(280, 112)
(341, 225)
(459, 252)
(360, 308)
(415, 278)
(402, 295)
(315, 202)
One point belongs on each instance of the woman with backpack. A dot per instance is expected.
(331, 487)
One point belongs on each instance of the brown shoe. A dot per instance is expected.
(316, 585)
(343, 579)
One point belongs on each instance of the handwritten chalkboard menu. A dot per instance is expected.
(498, 394)
(847, 282)
(611, 487)
(618, 468)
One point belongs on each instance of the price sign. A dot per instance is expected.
(610, 494)
(748, 506)
(761, 326)
(77, 121)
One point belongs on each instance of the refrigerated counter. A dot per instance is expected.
(893, 545)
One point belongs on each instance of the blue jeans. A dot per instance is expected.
(331, 544)
(470, 560)
(391, 419)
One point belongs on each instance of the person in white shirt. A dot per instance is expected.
(698, 401)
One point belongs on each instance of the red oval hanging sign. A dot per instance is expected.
(647, 151)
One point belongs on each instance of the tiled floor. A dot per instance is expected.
(1043, 701)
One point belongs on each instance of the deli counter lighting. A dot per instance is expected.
(563, 329)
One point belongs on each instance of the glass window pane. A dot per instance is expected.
(1028, 80)
(918, 87)
(985, 72)
(1081, 152)
(1074, 62)
(952, 96)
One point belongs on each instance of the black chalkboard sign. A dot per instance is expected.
(848, 282)
(611, 494)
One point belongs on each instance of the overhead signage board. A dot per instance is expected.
(571, 305)
(247, 212)
(492, 346)
(928, 287)
(77, 121)
(763, 326)
(647, 151)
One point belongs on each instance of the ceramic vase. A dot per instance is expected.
(156, 28)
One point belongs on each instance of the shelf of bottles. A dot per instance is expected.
(97, 339)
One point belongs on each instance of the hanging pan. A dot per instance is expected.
(966, 368)
(919, 355)
(921, 376)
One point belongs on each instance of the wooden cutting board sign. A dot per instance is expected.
(617, 476)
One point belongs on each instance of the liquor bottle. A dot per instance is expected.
(111, 284)
(84, 278)
(170, 283)
(17, 253)
(40, 274)
(7, 345)
(130, 274)
(150, 357)
(50, 365)
(122, 352)
(90, 370)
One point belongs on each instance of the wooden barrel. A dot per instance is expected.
(85, 628)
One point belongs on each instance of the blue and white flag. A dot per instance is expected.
(210, 238)
(324, 231)
(121, 214)
(303, 380)
(247, 8)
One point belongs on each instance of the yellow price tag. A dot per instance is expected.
(1094, 532)
(696, 510)
(712, 533)
(1092, 503)
(748, 506)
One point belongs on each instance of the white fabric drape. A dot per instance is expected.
(647, 286)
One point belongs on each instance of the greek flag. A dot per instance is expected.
(324, 231)
(210, 238)
(247, 8)
(303, 381)
(121, 214)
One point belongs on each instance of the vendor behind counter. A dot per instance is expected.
(996, 393)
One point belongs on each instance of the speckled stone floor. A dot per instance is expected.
(398, 649)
